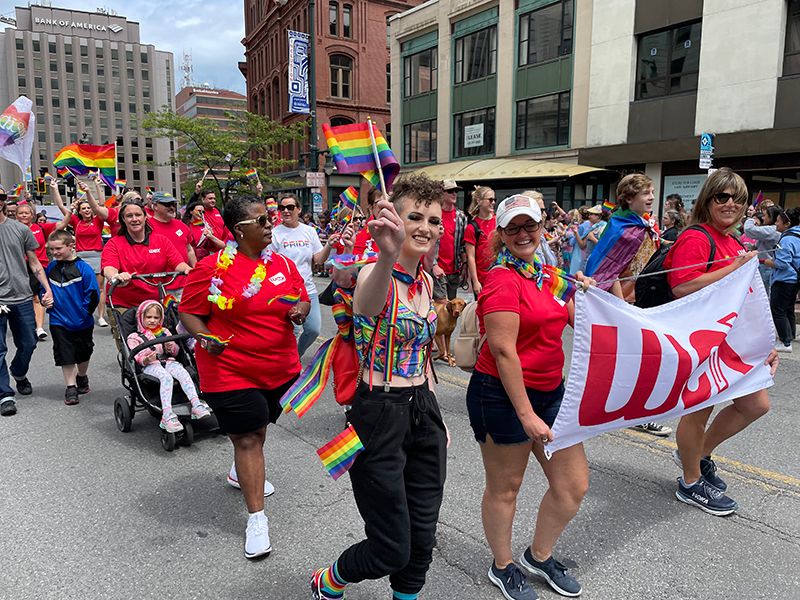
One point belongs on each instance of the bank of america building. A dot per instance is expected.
(90, 80)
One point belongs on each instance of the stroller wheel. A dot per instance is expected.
(168, 441)
(188, 434)
(122, 414)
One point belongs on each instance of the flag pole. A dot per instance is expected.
(116, 169)
(377, 156)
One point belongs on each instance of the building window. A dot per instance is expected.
(791, 59)
(476, 55)
(669, 61)
(473, 133)
(420, 73)
(543, 121)
(419, 142)
(546, 33)
(336, 121)
(19, 44)
(388, 83)
(333, 18)
(347, 21)
(341, 73)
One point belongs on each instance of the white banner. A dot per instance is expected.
(298, 73)
(17, 132)
(632, 365)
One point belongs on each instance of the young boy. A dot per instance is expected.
(75, 296)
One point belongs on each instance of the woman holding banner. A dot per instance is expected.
(513, 398)
(720, 205)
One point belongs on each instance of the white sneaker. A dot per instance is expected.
(782, 348)
(256, 537)
(233, 481)
(101, 322)
(41, 334)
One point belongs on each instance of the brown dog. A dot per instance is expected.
(447, 314)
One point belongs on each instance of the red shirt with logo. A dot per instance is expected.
(41, 231)
(214, 218)
(447, 243)
(483, 252)
(542, 319)
(88, 234)
(693, 248)
(263, 351)
(113, 220)
(155, 255)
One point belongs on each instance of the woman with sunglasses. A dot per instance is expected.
(242, 304)
(477, 235)
(300, 243)
(718, 209)
(513, 398)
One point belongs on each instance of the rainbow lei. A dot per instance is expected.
(224, 260)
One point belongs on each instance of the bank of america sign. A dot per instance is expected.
(65, 24)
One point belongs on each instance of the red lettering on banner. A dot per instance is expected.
(727, 320)
(649, 369)
(602, 364)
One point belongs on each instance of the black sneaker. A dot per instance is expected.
(511, 582)
(654, 429)
(71, 395)
(706, 497)
(24, 386)
(83, 384)
(553, 572)
(8, 407)
(708, 469)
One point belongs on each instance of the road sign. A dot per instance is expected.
(315, 179)
(706, 163)
(316, 202)
(706, 150)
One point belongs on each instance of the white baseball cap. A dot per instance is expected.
(517, 205)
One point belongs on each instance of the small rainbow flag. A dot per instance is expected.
(169, 301)
(351, 150)
(345, 261)
(210, 337)
(308, 388)
(19, 190)
(290, 299)
(349, 198)
(272, 205)
(148, 189)
(340, 453)
(120, 183)
(609, 206)
(251, 174)
(80, 159)
(559, 283)
(759, 197)
(63, 172)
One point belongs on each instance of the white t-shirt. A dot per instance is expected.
(298, 244)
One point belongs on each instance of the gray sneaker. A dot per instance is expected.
(553, 572)
(8, 407)
(511, 582)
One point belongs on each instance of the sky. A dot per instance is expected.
(212, 30)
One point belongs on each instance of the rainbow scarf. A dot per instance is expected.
(547, 277)
(80, 159)
(158, 331)
(351, 150)
(619, 244)
(340, 453)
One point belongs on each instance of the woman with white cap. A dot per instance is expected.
(513, 398)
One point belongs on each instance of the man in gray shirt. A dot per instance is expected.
(17, 245)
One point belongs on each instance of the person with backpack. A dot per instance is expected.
(398, 479)
(513, 398)
(477, 235)
(698, 260)
(785, 277)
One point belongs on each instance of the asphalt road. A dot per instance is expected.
(87, 512)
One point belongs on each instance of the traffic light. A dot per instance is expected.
(41, 186)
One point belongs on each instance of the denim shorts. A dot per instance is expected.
(491, 412)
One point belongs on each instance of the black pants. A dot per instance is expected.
(398, 482)
(781, 301)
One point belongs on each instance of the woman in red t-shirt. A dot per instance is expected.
(203, 241)
(719, 207)
(513, 398)
(41, 232)
(247, 354)
(477, 235)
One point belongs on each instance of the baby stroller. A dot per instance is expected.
(143, 389)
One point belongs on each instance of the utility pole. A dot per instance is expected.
(313, 148)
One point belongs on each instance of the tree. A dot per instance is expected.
(226, 152)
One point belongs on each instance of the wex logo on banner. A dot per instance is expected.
(632, 365)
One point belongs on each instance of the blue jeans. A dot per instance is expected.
(23, 331)
(311, 327)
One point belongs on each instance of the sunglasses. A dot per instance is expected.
(261, 221)
(359, 218)
(3, 197)
(529, 226)
(724, 197)
(289, 207)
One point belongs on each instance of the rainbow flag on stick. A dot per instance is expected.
(759, 197)
(19, 190)
(251, 174)
(609, 206)
(351, 150)
(308, 387)
(120, 183)
(80, 159)
(558, 283)
(340, 453)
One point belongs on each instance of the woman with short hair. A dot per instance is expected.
(673, 224)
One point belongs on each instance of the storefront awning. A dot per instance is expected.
(491, 169)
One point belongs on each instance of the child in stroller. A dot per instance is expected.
(159, 361)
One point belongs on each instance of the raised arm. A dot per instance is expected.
(97, 208)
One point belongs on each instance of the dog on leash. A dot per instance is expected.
(447, 314)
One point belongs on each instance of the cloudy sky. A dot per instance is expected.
(212, 30)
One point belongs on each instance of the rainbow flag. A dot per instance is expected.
(19, 190)
(14, 123)
(759, 197)
(148, 189)
(351, 150)
(340, 453)
(272, 205)
(308, 387)
(290, 299)
(80, 159)
(251, 174)
(349, 198)
(63, 172)
(120, 183)
(558, 283)
(609, 206)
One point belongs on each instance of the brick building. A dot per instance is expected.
(352, 67)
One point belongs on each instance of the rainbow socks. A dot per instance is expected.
(327, 584)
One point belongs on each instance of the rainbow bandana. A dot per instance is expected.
(340, 453)
(547, 277)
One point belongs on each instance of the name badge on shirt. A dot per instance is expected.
(277, 279)
(179, 232)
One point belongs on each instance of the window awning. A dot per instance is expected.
(491, 169)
